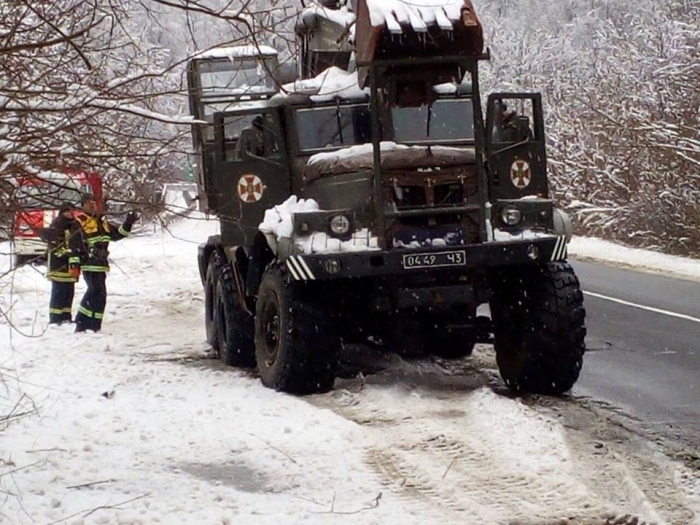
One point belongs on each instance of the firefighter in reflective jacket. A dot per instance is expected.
(97, 233)
(65, 248)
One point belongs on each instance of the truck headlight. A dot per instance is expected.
(304, 228)
(510, 215)
(340, 224)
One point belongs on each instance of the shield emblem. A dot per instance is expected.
(520, 174)
(250, 188)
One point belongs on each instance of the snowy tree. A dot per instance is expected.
(97, 85)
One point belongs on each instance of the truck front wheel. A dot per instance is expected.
(295, 345)
(539, 328)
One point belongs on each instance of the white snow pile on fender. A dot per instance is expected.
(278, 224)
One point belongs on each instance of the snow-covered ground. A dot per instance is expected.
(136, 425)
(615, 254)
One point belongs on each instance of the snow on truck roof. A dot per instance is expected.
(337, 84)
(331, 84)
(419, 14)
(238, 52)
(342, 17)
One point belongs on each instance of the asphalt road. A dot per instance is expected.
(643, 345)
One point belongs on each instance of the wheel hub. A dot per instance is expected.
(271, 332)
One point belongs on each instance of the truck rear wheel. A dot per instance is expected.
(295, 345)
(210, 280)
(539, 327)
(235, 326)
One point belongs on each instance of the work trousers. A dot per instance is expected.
(92, 307)
(61, 303)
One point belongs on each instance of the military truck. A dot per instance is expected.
(379, 201)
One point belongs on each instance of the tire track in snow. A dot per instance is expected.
(624, 461)
(473, 455)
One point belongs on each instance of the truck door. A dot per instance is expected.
(515, 146)
(250, 172)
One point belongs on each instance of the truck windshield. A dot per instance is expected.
(333, 127)
(223, 77)
(451, 120)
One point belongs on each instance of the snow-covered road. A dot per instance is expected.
(137, 425)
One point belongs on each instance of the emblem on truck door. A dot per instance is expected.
(520, 174)
(250, 188)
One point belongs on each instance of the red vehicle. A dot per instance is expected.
(38, 202)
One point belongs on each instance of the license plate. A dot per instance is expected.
(433, 260)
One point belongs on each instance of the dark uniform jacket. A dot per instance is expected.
(97, 233)
(65, 248)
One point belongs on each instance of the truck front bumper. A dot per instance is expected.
(408, 261)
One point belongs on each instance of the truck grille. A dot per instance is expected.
(418, 190)
(408, 191)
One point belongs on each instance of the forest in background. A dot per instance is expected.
(98, 84)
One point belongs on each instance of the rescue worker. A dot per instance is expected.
(97, 233)
(252, 140)
(514, 127)
(64, 251)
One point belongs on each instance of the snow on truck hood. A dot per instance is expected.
(394, 156)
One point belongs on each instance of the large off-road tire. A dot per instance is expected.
(210, 280)
(295, 342)
(235, 326)
(539, 327)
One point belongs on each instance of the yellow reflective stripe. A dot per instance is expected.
(58, 273)
(99, 238)
(59, 310)
(95, 268)
(90, 313)
(61, 279)
(123, 231)
(86, 312)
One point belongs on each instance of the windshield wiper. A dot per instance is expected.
(339, 122)
(427, 122)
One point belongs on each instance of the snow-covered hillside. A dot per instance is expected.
(136, 425)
